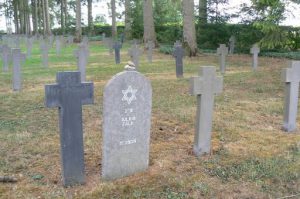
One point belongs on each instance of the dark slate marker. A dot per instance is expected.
(117, 46)
(69, 94)
(179, 54)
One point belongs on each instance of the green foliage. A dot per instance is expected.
(166, 49)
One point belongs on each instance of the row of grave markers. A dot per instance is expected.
(127, 115)
(127, 102)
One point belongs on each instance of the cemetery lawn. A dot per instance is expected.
(251, 157)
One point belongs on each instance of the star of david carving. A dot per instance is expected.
(129, 95)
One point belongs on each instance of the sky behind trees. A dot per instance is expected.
(101, 9)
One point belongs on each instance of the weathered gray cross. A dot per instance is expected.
(232, 41)
(205, 87)
(17, 58)
(291, 77)
(149, 46)
(6, 57)
(58, 44)
(82, 54)
(45, 50)
(69, 94)
(255, 50)
(223, 52)
(29, 44)
(178, 53)
(135, 52)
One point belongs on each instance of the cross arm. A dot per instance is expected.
(196, 86)
(52, 95)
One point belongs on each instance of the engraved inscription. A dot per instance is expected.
(127, 142)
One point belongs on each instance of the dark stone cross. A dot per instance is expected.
(117, 46)
(178, 53)
(69, 94)
(291, 77)
(205, 87)
(177, 43)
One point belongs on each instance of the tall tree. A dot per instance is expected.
(202, 12)
(47, 17)
(63, 4)
(127, 20)
(78, 21)
(149, 31)
(189, 31)
(114, 32)
(90, 16)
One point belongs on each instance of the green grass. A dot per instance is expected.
(251, 157)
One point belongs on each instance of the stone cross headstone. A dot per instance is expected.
(17, 42)
(69, 94)
(177, 43)
(109, 44)
(103, 36)
(122, 37)
(117, 47)
(50, 39)
(82, 54)
(150, 46)
(232, 41)
(222, 51)
(6, 57)
(17, 59)
(44, 50)
(29, 44)
(85, 40)
(291, 77)
(255, 51)
(205, 87)
(127, 106)
(135, 52)
(70, 39)
(178, 53)
(58, 44)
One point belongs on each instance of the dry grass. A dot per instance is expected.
(251, 157)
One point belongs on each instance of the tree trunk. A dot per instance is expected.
(149, 31)
(62, 17)
(189, 32)
(66, 13)
(16, 17)
(113, 19)
(90, 17)
(47, 15)
(127, 20)
(202, 12)
(44, 18)
(78, 21)
(34, 5)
